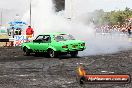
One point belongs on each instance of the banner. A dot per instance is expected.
(19, 39)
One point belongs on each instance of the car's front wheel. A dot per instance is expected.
(26, 51)
(52, 53)
(74, 54)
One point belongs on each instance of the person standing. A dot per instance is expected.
(129, 33)
(129, 30)
(8, 32)
(12, 32)
(29, 32)
(20, 31)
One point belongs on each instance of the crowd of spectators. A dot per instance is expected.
(114, 28)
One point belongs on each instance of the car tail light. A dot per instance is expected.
(64, 46)
(83, 44)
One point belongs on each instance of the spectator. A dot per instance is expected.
(16, 32)
(8, 32)
(29, 32)
(12, 32)
(20, 31)
(129, 30)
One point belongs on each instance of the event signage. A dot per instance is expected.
(19, 39)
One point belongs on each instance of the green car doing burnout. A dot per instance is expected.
(54, 44)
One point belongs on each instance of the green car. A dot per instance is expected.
(54, 44)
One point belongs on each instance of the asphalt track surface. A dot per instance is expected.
(19, 71)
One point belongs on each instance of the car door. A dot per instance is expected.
(37, 43)
(43, 46)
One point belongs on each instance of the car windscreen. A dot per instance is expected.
(64, 37)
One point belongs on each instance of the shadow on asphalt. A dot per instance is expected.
(12, 54)
(67, 57)
(33, 57)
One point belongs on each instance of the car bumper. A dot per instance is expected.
(70, 50)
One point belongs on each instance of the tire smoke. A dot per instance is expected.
(45, 19)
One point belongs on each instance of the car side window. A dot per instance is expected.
(46, 39)
(39, 38)
(59, 38)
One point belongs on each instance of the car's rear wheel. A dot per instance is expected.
(26, 51)
(52, 53)
(74, 54)
(36, 54)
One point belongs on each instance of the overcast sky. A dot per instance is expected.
(14, 4)
(95, 4)
(21, 6)
(107, 5)
(113, 4)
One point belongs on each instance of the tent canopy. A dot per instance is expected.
(17, 24)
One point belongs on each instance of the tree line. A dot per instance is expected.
(120, 17)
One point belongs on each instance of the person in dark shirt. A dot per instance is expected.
(129, 30)
(20, 31)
